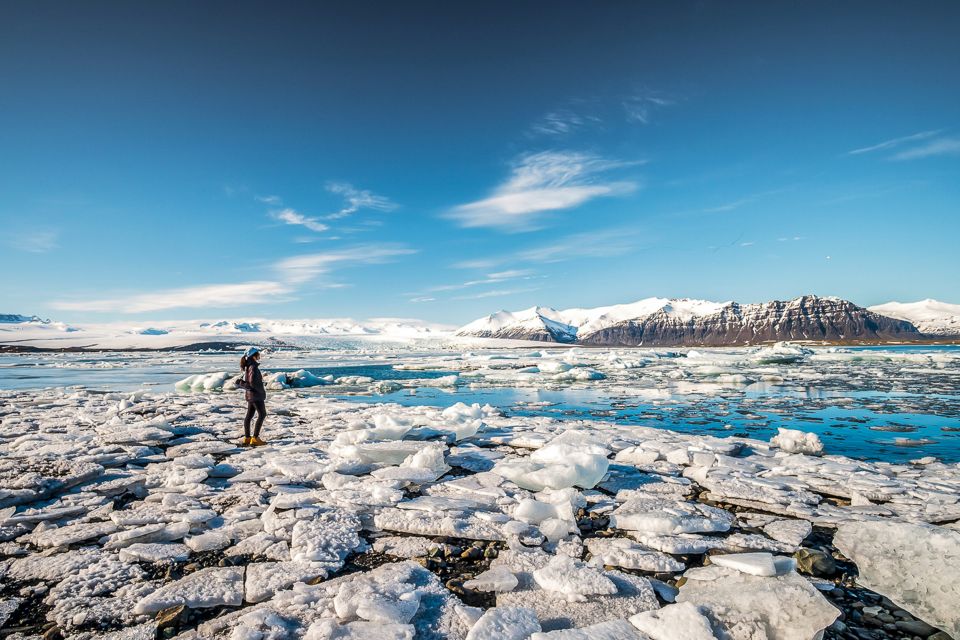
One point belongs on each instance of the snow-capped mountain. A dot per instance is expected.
(16, 318)
(678, 322)
(929, 316)
(27, 331)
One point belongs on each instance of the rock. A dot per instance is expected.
(170, 617)
(906, 562)
(815, 562)
(915, 627)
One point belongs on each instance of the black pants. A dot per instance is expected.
(261, 409)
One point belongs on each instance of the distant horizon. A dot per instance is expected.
(228, 317)
(433, 160)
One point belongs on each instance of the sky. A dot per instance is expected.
(443, 160)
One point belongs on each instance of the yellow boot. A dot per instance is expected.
(255, 441)
(246, 442)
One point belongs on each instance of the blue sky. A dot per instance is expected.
(444, 160)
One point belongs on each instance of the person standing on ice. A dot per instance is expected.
(256, 395)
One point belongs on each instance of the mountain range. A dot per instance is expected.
(687, 322)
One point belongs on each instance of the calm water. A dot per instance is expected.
(882, 409)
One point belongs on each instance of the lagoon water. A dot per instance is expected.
(887, 403)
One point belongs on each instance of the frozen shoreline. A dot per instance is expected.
(149, 503)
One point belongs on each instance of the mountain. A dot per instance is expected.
(686, 322)
(16, 318)
(25, 332)
(929, 316)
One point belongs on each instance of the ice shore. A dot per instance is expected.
(137, 516)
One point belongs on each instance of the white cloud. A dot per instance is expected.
(357, 199)
(299, 269)
(289, 216)
(274, 201)
(640, 106)
(37, 241)
(938, 147)
(542, 182)
(895, 142)
(604, 243)
(213, 295)
(490, 278)
(560, 122)
(496, 293)
(292, 273)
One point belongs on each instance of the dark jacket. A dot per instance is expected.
(254, 391)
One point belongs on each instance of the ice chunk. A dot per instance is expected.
(505, 623)
(155, 552)
(682, 621)
(756, 564)
(568, 460)
(205, 382)
(612, 630)
(796, 441)
(327, 629)
(368, 599)
(264, 579)
(633, 594)
(498, 579)
(909, 564)
(621, 552)
(791, 532)
(573, 579)
(211, 587)
(209, 541)
(782, 607)
(656, 514)
(327, 537)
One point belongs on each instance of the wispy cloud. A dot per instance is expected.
(497, 277)
(895, 142)
(290, 216)
(604, 243)
(495, 293)
(274, 201)
(304, 268)
(356, 199)
(736, 204)
(640, 106)
(561, 122)
(543, 182)
(291, 274)
(35, 241)
(938, 147)
(213, 295)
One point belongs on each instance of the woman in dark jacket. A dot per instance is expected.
(256, 396)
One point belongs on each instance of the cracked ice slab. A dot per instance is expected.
(782, 607)
(906, 562)
(632, 594)
(211, 587)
